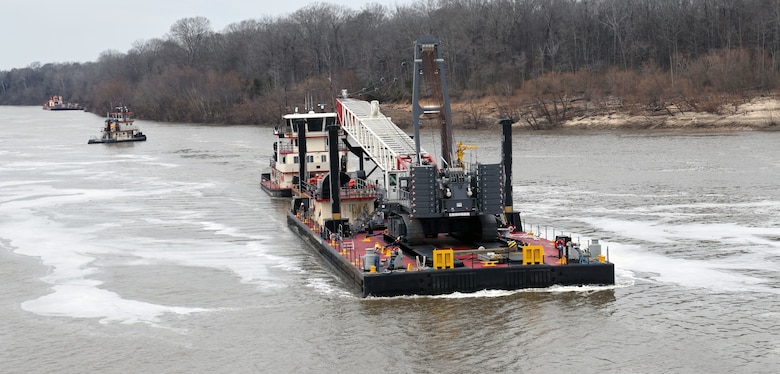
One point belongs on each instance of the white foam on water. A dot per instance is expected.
(714, 275)
(36, 197)
(675, 208)
(142, 159)
(325, 287)
(82, 167)
(477, 295)
(48, 166)
(457, 295)
(249, 260)
(135, 157)
(73, 294)
(221, 229)
(754, 239)
(740, 237)
(22, 183)
(70, 253)
(719, 273)
(488, 294)
(80, 301)
(257, 247)
(620, 282)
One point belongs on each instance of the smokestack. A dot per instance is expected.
(335, 173)
(302, 179)
(506, 159)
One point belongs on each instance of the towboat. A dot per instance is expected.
(119, 127)
(56, 103)
(285, 161)
(400, 223)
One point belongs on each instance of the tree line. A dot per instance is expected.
(536, 57)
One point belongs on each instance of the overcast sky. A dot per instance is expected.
(79, 30)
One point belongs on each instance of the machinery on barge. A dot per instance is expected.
(413, 224)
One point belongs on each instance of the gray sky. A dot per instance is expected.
(79, 30)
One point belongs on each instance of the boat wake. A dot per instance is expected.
(737, 258)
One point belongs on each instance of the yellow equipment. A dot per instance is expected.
(459, 156)
(443, 258)
(533, 255)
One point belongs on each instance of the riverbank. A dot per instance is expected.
(761, 113)
(758, 114)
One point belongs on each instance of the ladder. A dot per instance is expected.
(389, 147)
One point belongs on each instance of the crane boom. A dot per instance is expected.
(429, 93)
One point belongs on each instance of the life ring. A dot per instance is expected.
(559, 243)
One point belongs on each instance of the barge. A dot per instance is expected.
(401, 223)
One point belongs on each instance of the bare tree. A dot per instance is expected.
(637, 52)
(191, 34)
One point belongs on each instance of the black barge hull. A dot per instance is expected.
(446, 281)
(108, 141)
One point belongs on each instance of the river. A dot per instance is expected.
(165, 256)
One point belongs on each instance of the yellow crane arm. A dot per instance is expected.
(461, 149)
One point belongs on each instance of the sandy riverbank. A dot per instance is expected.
(759, 114)
(762, 113)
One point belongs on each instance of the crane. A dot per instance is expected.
(460, 151)
(424, 198)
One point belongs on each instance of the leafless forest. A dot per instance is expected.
(538, 61)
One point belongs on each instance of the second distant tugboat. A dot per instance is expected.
(56, 103)
(119, 128)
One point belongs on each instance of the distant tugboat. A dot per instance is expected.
(119, 128)
(56, 103)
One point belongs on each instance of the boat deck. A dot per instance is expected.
(471, 272)
(354, 247)
(273, 188)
